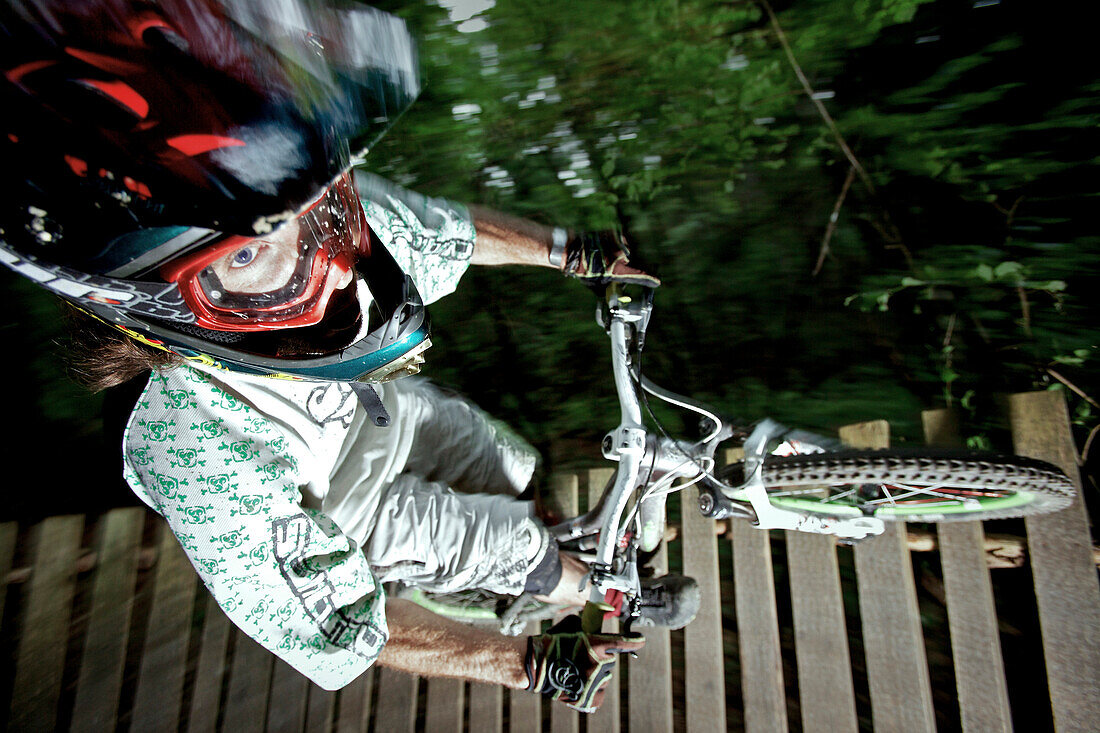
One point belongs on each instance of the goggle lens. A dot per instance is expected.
(280, 280)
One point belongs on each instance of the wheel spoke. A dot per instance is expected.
(910, 491)
(892, 494)
(929, 491)
(833, 499)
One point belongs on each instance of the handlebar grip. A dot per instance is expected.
(592, 616)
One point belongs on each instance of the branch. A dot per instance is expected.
(893, 235)
(1088, 445)
(816, 102)
(833, 218)
(1077, 390)
(1025, 309)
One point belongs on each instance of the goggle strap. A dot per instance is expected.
(372, 403)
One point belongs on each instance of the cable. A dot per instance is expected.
(636, 372)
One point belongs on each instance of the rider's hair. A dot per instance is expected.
(99, 357)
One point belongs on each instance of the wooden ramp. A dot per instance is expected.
(105, 627)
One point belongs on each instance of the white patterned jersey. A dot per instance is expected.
(240, 467)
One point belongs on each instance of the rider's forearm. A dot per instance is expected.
(428, 645)
(503, 239)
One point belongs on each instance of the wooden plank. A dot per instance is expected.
(104, 657)
(9, 535)
(159, 695)
(445, 705)
(487, 707)
(40, 657)
(396, 701)
(354, 704)
(897, 671)
(564, 489)
(704, 678)
(765, 699)
(650, 675)
(249, 682)
(1066, 587)
(606, 719)
(525, 715)
(321, 709)
(210, 669)
(971, 611)
(9, 532)
(825, 689)
(286, 706)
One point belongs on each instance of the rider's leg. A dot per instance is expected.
(460, 445)
(428, 535)
(572, 589)
(670, 601)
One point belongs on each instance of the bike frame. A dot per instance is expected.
(659, 458)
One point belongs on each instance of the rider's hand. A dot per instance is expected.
(599, 258)
(570, 665)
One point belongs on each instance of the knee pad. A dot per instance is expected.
(544, 562)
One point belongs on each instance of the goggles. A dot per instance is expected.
(277, 281)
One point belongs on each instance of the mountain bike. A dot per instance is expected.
(788, 479)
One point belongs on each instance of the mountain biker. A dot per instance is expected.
(181, 176)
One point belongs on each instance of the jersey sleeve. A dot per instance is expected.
(221, 476)
(431, 238)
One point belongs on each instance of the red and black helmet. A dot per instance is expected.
(142, 138)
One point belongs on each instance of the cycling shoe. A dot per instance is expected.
(670, 601)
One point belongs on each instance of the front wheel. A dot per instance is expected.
(923, 485)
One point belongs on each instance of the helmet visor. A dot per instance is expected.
(284, 279)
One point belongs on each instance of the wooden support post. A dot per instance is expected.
(1066, 587)
(971, 612)
(897, 670)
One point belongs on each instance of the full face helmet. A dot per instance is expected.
(180, 171)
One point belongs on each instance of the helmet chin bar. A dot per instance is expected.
(406, 366)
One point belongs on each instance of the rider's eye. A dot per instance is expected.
(243, 257)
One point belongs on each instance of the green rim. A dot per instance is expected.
(460, 613)
(1011, 501)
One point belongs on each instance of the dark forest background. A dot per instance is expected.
(860, 209)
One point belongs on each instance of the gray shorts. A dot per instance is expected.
(451, 519)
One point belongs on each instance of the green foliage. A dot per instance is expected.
(962, 271)
(684, 123)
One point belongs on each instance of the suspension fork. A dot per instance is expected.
(767, 516)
